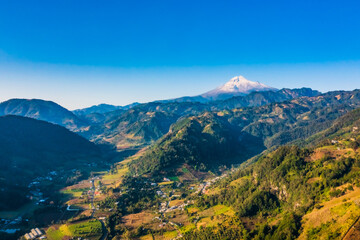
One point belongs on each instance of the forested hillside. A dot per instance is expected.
(293, 192)
(251, 129)
(202, 142)
(145, 123)
(288, 192)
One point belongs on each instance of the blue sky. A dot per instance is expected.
(80, 53)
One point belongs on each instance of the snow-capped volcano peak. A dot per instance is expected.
(241, 84)
(237, 86)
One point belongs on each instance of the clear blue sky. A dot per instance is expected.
(80, 53)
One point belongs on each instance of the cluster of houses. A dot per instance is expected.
(10, 226)
(161, 193)
(178, 207)
(164, 207)
(49, 177)
(204, 186)
(166, 179)
(34, 191)
(35, 233)
(5, 222)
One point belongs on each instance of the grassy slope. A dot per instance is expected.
(88, 229)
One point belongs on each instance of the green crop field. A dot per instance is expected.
(90, 228)
(175, 178)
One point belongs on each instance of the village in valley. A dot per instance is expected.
(70, 211)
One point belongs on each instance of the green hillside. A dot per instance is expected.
(145, 123)
(292, 192)
(201, 142)
(284, 170)
(31, 148)
(231, 136)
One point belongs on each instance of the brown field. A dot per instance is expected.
(354, 232)
(185, 174)
(82, 184)
(175, 203)
(138, 219)
(178, 217)
(75, 201)
(213, 191)
(331, 151)
(340, 213)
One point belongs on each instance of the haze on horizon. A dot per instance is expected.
(85, 53)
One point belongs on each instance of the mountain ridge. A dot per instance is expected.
(42, 110)
(102, 108)
(268, 125)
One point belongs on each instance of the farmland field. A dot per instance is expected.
(90, 229)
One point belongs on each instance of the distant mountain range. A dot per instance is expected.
(193, 139)
(298, 150)
(102, 108)
(236, 86)
(255, 99)
(145, 123)
(137, 125)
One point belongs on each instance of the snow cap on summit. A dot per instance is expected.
(238, 85)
